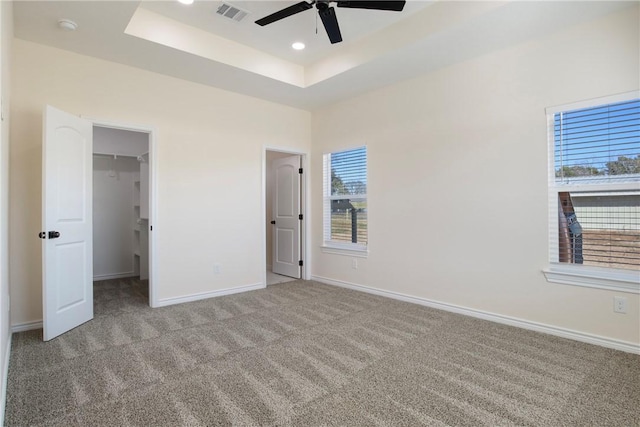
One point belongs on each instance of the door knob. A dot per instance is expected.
(42, 235)
(54, 234)
(273, 222)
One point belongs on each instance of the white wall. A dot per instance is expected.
(209, 165)
(458, 177)
(6, 36)
(118, 141)
(113, 216)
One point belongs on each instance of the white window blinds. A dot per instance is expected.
(598, 143)
(596, 185)
(345, 198)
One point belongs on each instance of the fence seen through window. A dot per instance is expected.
(597, 180)
(346, 213)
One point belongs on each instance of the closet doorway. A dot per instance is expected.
(121, 210)
(284, 213)
(67, 232)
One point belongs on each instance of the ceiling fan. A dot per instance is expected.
(328, 14)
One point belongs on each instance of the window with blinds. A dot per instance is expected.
(345, 199)
(598, 142)
(594, 185)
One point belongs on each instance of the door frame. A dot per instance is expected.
(305, 230)
(153, 195)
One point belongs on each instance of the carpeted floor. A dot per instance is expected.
(307, 354)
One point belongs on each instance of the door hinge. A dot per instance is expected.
(300, 217)
(300, 170)
(300, 263)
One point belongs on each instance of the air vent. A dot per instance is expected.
(232, 12)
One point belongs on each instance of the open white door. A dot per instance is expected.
(67, 254)
(286, 211)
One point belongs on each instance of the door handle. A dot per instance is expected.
(42, 235)
(54, 234)
(273, 222)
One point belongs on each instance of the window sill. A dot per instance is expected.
(594, 277)
(345, 250)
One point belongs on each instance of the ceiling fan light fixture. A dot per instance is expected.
(298, 45)
(186, 1)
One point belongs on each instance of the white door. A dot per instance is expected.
(67, 254)
(286, 208)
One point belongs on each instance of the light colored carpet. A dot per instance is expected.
(307, 354)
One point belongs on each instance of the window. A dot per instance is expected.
(594, 193)
(345, 200)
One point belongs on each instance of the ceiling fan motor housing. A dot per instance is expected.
(328, 14)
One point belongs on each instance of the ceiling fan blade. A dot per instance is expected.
(373, 4)
(284, 13)
(330, 22)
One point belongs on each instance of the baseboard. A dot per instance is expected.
(204, 295)
(485, 315)
(5, 379)
(114, 276)
(26, 326)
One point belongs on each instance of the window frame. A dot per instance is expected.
(332, 246)
(620, 280)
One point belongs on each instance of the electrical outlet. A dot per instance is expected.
(620, 304)
(354, 263)
(217, 269)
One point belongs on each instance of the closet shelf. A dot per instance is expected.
(141, 225)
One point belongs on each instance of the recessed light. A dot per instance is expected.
(67, 25)
(298, 45)
(186, 1)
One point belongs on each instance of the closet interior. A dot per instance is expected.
(120, 204)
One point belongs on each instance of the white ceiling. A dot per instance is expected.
(379, 48)
(276, 38)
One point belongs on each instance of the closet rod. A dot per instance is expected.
(114, 155)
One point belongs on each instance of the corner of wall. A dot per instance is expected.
(6, 39)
